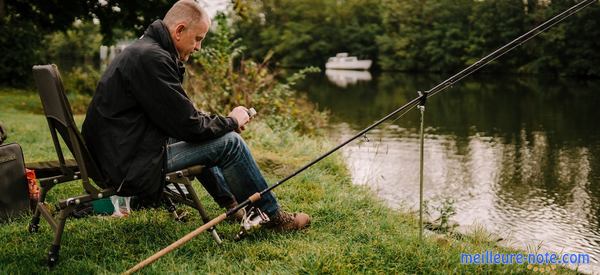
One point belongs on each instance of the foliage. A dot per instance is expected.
(58, 15)
(76, 51)
(570, 48)
(225, 80)
(78, 44)
(307, 32)
(21, 49)
(439, 216)
(81, 80)
(417, 35)
(409, 35)
(495, 23)
(425, 35)
(25, 23)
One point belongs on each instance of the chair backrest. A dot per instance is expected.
(60, 120)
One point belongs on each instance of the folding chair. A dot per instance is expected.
(60, 120)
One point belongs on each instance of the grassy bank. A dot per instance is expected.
(351, 232)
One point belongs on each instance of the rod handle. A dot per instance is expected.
(255, 197)
(176, 244)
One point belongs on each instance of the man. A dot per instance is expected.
(140, 104)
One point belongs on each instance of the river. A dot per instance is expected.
(519, 156)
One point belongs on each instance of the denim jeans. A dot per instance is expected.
(232, 173)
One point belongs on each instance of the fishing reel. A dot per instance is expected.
(253, 219)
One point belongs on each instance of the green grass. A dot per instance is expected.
(351, 232)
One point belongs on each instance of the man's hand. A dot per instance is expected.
(240, 114)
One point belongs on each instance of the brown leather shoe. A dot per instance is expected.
(285, 221)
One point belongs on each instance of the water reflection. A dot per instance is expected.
(520, 156)
(343, 78)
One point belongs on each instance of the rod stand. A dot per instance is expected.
(421, 106)
(422, 98)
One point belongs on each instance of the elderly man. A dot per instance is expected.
(140, 105)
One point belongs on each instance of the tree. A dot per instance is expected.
(569, 48)
(53, 15)
(24, 23)
(307, 32)
(495, 23)
(421, 35)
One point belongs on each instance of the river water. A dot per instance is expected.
(519, 156)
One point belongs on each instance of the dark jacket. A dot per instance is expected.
(138, 104)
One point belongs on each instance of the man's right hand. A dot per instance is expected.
(240, 114)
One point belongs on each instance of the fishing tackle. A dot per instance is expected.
(253, 220)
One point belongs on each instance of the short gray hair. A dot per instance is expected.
(188, 11)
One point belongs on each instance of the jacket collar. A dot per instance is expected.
(160, 33)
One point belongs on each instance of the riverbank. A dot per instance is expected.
(352, 231)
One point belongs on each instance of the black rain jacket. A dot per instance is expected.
(139, 103)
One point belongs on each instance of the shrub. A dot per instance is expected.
(81, 80)
(21, 47)
(221, 79)
(78, 44)
(75, 50)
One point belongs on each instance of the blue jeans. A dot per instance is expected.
(232, 173)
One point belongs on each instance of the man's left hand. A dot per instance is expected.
(240, 114)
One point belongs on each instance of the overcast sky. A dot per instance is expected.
(212, 6)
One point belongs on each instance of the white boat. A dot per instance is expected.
(342, 61)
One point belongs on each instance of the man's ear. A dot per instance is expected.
(178, 30)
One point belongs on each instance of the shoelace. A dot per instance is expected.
(284, 218)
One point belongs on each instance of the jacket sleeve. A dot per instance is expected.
(156, 87)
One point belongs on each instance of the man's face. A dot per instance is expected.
(188, 38)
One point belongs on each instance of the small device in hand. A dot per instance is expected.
(251, 112)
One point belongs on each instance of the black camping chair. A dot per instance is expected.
(60, 120)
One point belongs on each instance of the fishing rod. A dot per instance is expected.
(418, 101)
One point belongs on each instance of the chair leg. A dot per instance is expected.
(54, 249)
(34, 225)
(203, 214)
(197, 203)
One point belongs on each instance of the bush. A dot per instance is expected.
(78, 44)
(21, 47)
(221, 80)
(81, 80)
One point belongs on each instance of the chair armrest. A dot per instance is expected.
(47, 169)
(187, 172)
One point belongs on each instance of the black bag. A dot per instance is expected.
(14, 192)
